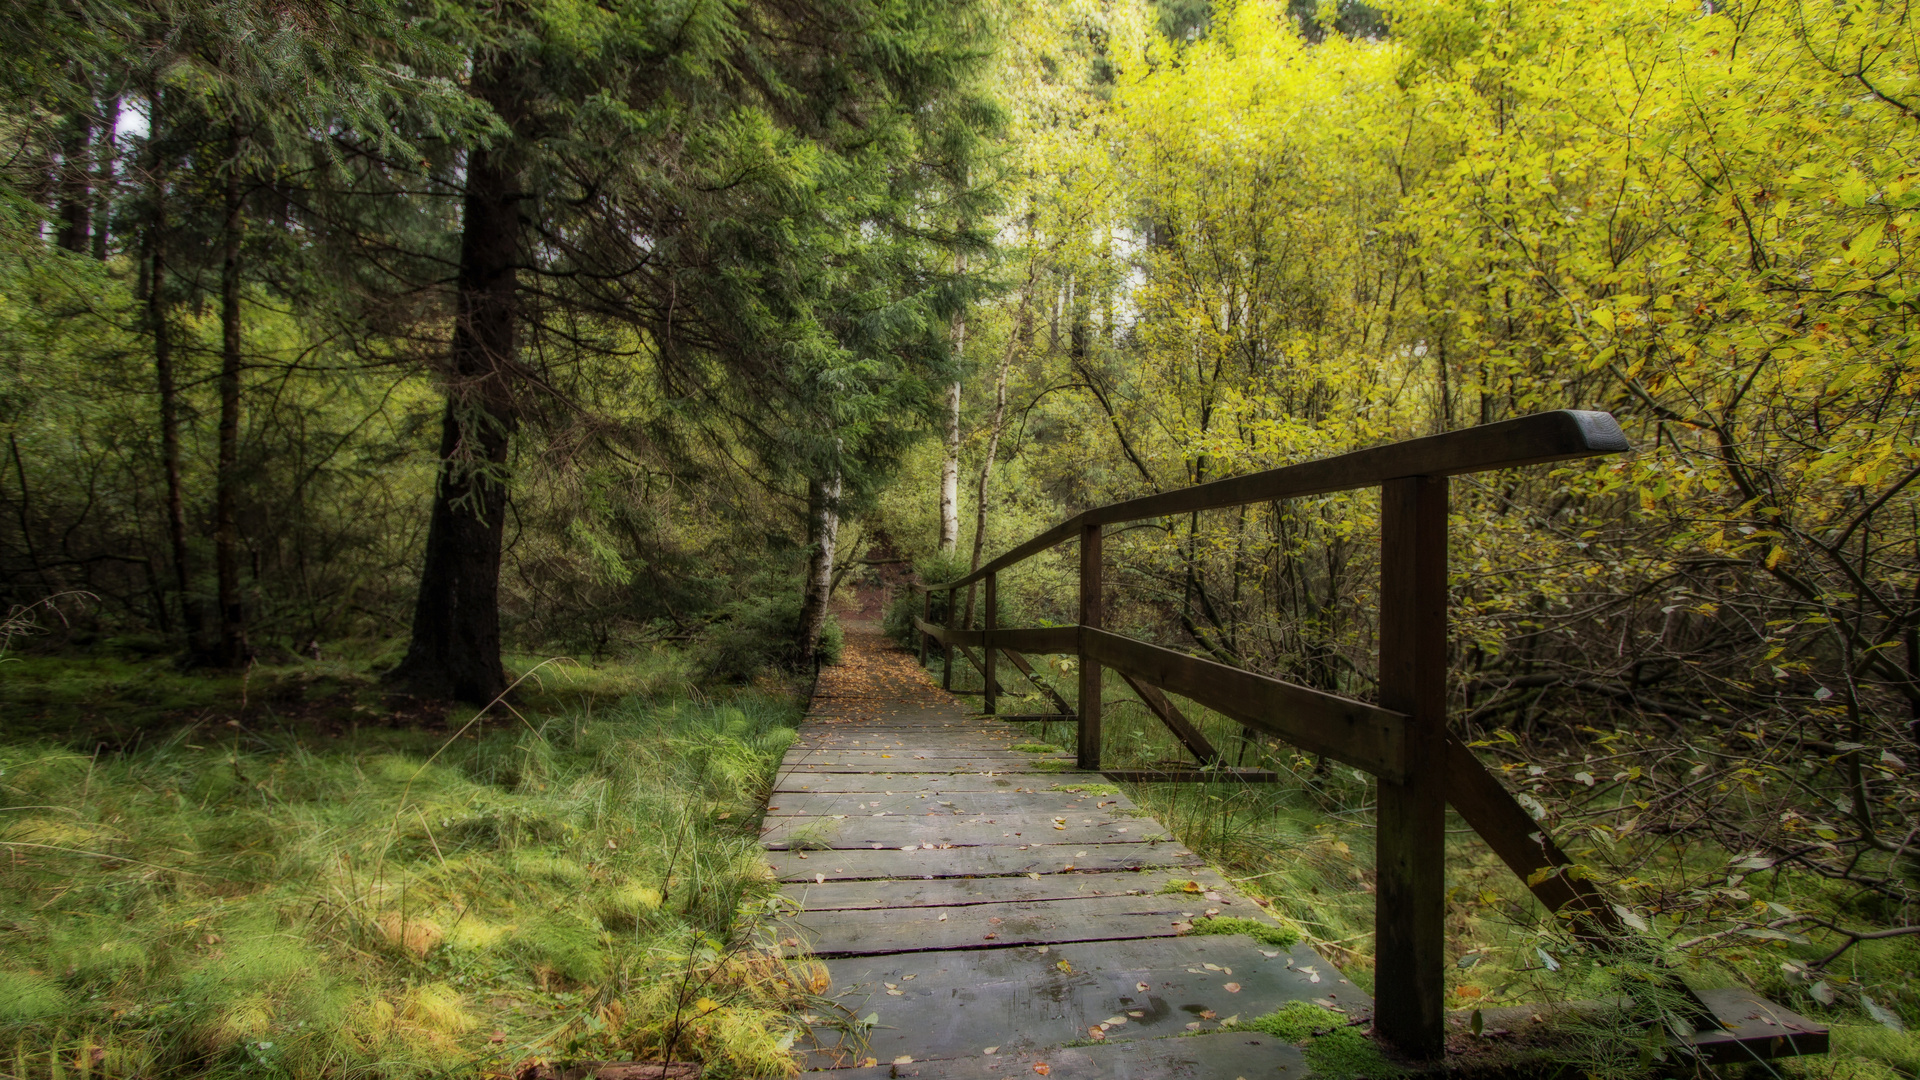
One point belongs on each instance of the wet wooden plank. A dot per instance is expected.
(974, 861)
(1046, 922)
(958, 892)
(809, 804)
(942, 783)
(954, 830)
(1223, 1056)
(960, 1002)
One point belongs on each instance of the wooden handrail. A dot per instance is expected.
(1404, 741)
(1526, 440)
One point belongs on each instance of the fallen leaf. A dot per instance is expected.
(1209, 1014)
(1195, 1026)
(1064, 966)
(498, 1036)
(1137, 1013)
(1097, 1033)
(991, 1050)
(1233, 988)
(1041, 949)
(1212, 967)
(1142, 987)
(903, 1059)
(942, 918)
(819, 879)
(1114, 1021)
(1041, 1068)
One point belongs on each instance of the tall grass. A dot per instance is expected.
(228, 900)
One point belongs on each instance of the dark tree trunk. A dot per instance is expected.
(157, 324)
(76, 185)
(455, 649)
(233, 650)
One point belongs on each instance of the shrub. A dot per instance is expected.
(756, 634)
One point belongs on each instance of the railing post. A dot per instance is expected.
(946, 651)
(926, 616)
(990, 621)
(1410, 897)
(1089, 755)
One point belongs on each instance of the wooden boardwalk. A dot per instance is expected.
(991, 919)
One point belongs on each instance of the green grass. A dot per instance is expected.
(317, 886)
(1036, 748)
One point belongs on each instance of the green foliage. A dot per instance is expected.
(755, 635)
(1035, 748)
(1266, 933)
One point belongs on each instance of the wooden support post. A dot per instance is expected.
(926, 615)
(990, 621)
(1410, 899)
(1025, 667)
(1089, 751)
(946, 651)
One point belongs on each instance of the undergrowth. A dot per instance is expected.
(1334, 1050)
(255, 896)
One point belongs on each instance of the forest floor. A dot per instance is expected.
(290, 872)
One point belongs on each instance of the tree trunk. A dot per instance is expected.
(823, 532)
(950, 468)
(157, 324)
(455, 648)
(993, 446)
(233, 649)
(76, 189)
(107, 160)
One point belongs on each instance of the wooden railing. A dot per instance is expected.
(1403, 741)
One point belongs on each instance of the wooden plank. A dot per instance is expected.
(869, 932)
(975, 861)
(1525, 440)
(1176, 721)
(880, 832)
(1521, 842)
(1091, 595)
(959, 1003)
(931, 783)
(826, 804)
(1354, 732)
(1238, 1055)
(960, 892)
(1410, 858)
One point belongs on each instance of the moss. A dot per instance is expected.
(1046, 765)
(1036, 748)
(1089, 789)
(1279, 937)
(1334, 1050)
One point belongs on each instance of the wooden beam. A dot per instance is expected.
(990, 621)
(1354, 732)
(1176, 721)
(1090, 613)
(1525, 440)
(1193, 776)
(1032, 639)
(1020, 663)
(981, 665)
(1410, 933)
(1522, 843)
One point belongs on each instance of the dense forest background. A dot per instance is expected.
(424, 332)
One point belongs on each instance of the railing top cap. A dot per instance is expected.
(1525, 440)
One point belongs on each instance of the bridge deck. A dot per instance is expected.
(991, 918)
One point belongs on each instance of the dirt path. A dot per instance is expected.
(985, 915)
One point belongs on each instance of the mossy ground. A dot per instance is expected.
(288, 873)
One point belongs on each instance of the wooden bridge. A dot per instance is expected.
(931, 756)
